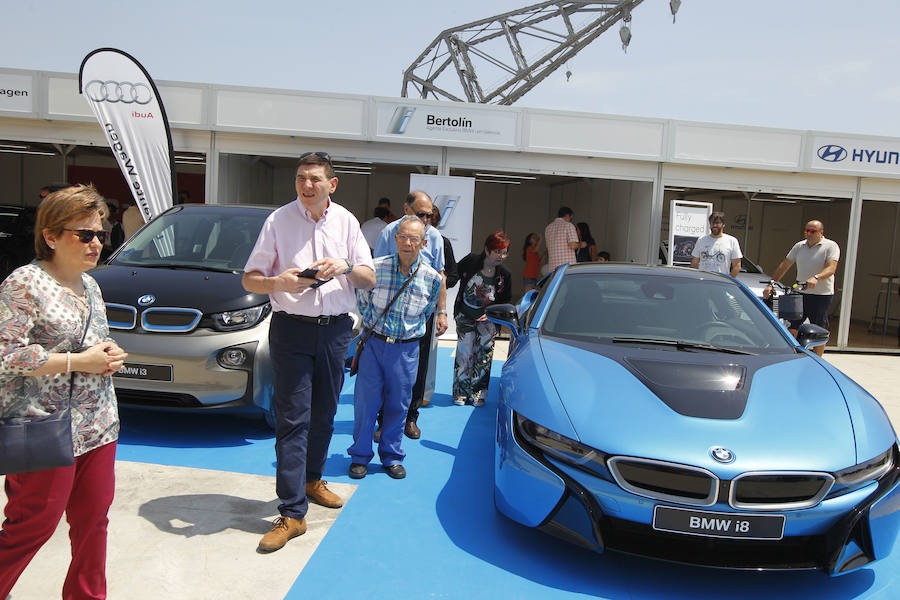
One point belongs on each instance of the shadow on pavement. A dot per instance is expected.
(207, 514)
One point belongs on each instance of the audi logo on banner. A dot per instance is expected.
(832, 153)
(125, 92)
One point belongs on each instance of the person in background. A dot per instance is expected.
(386, 203)
(717, 251)
(46, 308)
(132, 220)
(533, 258)
(587, 253)
(52, 187)
(562, 239)
(603, 256)
(372, 228)
(390, 358)
(483, 281)
(817, 259)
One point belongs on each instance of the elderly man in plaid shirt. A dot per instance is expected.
(390, 358)
(562, 239)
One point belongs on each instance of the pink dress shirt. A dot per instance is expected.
(291, 238)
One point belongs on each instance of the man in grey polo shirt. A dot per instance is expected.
(817, 258)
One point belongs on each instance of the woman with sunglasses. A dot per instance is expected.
(53, 324)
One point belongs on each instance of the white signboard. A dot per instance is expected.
(688, 222)
(16, 93)
(455, 198)
(453, 124)
(879, 157)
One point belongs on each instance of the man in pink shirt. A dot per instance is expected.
(309, 333)
(562, 239)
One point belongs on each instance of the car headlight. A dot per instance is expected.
(233, 320)
(563, 448)
(864, 472)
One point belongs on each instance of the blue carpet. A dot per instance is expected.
(436, 534)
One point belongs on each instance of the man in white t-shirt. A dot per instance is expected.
(371, 229)
(717, 252)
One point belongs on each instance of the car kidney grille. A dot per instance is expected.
(779, 490)
(170, 320)
(665, 481)
(120, 316)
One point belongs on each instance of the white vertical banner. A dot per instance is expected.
(688, 222)
(455, 198)
(126, 102)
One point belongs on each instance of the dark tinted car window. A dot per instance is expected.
(608, 306)
(208, 238)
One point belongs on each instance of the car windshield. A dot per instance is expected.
(213, 239)
(681, 312)
(749, 267)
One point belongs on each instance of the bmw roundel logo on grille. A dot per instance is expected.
(722, 455)
(832, 153)
(146, 299)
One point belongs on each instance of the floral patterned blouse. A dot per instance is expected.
(39, 316)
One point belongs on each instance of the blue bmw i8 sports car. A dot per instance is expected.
(665, 412)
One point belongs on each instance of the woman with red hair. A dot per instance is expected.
(482, 281)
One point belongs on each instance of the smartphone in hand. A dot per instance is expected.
(313, 274)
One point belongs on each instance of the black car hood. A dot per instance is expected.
(207, 291)
(700, 384)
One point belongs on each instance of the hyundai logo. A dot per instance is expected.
(832, 153)
(125, 92)
(722, 455)
(146, 299)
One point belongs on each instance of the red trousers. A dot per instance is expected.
(36, 502)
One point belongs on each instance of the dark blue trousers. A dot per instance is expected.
(308, 361)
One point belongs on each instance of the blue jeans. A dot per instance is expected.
(385, 378)
(308, 361)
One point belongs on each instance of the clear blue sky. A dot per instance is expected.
(800, 64)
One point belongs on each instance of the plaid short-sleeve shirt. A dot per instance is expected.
(408, 315)
(558, 235)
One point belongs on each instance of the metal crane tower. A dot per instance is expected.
(496, 47)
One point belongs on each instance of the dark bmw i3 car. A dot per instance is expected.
(196, 339)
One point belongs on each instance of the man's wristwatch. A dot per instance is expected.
(441, 311)
(349, 266)
(816, 277)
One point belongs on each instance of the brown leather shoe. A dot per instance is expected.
(412, 430)
(318, 493)
(284, 529)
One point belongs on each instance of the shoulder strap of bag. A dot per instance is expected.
(391, 303)
(84, 333)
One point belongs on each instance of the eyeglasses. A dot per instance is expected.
(502, 253)
(322, 155)
(409, 238)
(86, 235)
(424, 215)
(810, 231)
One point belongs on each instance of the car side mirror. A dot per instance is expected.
(504, 314)
(810, 335)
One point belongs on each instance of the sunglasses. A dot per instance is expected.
(86, 235)
(810, 231)
(424, 215)
(322, 155)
